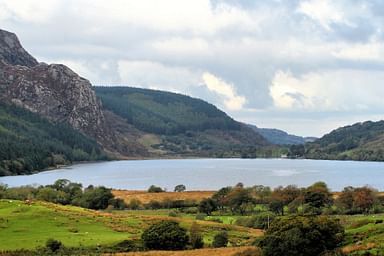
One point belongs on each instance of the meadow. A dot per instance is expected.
(29, 224)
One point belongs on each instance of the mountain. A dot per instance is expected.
(278, 137)
(50, 115)
(172, 123)
(361, 141)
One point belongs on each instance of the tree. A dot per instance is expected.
(220, 195)
(207, 206)
(155, 189)
(165, 235)
(317, 195)
(363, 199)
(220, 239)
(301, 236)
(95, 198)
(180, 188)
(196, 237)
(239, 200)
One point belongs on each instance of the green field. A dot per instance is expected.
(27, 226)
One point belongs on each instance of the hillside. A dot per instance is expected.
(172, 123)
(30, 143)
(278, 137)
(361, 141)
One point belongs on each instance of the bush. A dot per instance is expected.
(302, 236)
(201, 216)
(258, 221)
(196, 237)
(220, 240)
(53, 245)
(165, 235)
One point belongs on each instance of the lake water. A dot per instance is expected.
(211, 174)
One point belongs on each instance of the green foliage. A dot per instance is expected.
(207, 206)
(196, 239)
(155, 189)
(261, 220)
(30, 143)
(53, 245)
(66, 192)
(220, 239)
(301, 236)
(361, 141)
(163, 112)
(165, 235)
(180, 188)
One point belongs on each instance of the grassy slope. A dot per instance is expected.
(27, 226)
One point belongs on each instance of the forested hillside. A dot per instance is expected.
(361, 141)
(179, 124)
(30, 143)
(163, 112)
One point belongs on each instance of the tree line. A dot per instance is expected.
(66, 192)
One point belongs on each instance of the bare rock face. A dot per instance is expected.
(53, 91)
(12, 52)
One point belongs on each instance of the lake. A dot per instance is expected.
(211, 174)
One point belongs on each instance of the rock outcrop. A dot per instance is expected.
(12, 52)
(53, 91)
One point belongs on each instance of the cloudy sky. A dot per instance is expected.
(306, 67)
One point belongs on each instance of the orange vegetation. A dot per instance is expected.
(144, 197)
(358, 247)
(229, 251)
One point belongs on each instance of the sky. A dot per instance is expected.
(306, 67)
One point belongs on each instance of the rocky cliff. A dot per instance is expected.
(12, 52)
(53, 91)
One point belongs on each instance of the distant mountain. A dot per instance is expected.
(177, 124)
(279, 137)
(361, 141)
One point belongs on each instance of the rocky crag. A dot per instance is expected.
(53, 91)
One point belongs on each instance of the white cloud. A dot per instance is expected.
(371, 51)
(232, 101)
(323, 11)
(182, 46)
(332, 90)
(40, 11)
(157, 75)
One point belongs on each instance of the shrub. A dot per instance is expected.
(220, 240)
(53, 244)
(201, 216)
(165, 235)
(258, 221)
(196, 237)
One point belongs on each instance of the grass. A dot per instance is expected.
(363, 235)
(201, 252)
(27, 226)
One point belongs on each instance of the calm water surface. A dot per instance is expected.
(210, 174)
